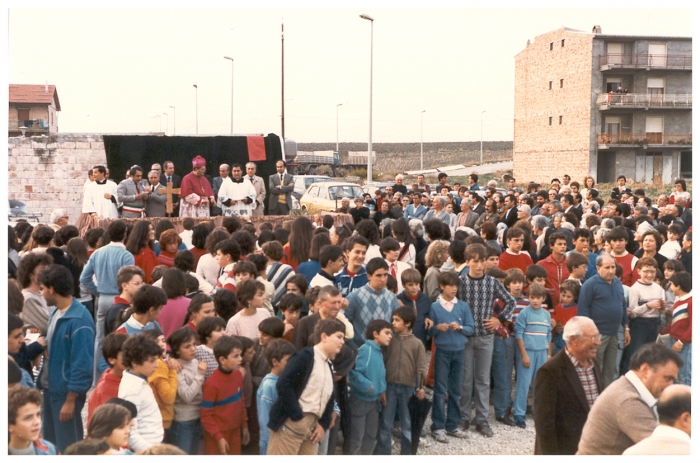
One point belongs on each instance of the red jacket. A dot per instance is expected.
(106, 388)
(556, 274)
(681, 328)
(146, 260)
(222, 403)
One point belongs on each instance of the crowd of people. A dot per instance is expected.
(568, 312)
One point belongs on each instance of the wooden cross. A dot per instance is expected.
(169, 190)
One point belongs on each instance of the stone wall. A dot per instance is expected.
(48, 172)
(542, 151)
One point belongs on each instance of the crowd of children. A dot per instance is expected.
(181, 370)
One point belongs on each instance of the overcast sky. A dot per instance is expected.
(115, 69)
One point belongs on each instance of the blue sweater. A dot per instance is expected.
(604, 303)
(266, 396)
(104, 264)
(365, 305)
(422, 307)
(369, 373)
(347, 284)
(451, 340)
(534, 327)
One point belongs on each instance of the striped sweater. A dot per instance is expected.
(222, 403)
(534, 327)
(681, 327)
(481, 294)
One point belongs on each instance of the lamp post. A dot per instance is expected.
(196, 109)
(481, 155)
(173, 119)
(167, 122)
(371, 58)
(229, 58)
(421, 139)
(336, 126)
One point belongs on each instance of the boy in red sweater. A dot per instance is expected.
(681, 329)
(514, 257)
(108, 384)
(224, 417)
(564, 311)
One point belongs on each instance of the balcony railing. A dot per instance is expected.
(644, 139)
(644, 60)
(645, 100)
(37, 126)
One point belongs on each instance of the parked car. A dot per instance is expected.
(327, 196)
(302, 183)
(374, 186)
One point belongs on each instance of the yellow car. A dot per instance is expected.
(327, 196)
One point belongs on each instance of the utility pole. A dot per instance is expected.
(283, 81)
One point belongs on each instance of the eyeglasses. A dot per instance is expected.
(591, 338)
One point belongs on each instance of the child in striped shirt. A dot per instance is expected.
(533, 332)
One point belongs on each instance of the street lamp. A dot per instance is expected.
(371, 57)
(421, 139)
(229, 58)
(196, 109)
(167, 122)
(336, 126)
(481, 156)
(173, 119)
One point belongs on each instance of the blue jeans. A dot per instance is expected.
(448, 380)
(397, 396)
(642, 331)
(186, 435)
(61, 433)
(685, 373)
(502, 371)
(526, 378)
(104, 303)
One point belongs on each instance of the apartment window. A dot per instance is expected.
(561, 83)
(562, 43)
(551, 46)
(561, 119)
(550, 84)
(550, 120)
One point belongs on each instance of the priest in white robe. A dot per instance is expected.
(237, 194)
(100, 198)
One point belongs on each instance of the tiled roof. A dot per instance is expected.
(36, 94)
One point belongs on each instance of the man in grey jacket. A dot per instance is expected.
(132, 193)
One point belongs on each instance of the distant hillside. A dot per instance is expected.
(399, 157)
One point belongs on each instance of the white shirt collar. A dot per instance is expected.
(117, 243)
(644, 393)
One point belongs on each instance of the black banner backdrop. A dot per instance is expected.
(124, 151)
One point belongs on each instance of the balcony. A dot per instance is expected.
(37, 126)
(644, 140)
(644, 100)
(644, 61)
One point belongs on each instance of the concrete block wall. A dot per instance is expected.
(541, 151)
(46, 173)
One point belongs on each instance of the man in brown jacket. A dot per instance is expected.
(566, 388)
(623, 414)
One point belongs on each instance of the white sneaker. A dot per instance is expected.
(457, 433)
(440, 436)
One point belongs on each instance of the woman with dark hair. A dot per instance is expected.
(13, 249)
(76, 252)
(225, 303)
(207, 266)
(40, 240)
(311, 267)
(384, 212)
(402, 233)
(140, 244)
(35, 312)
(650, 245)
(64, 235)
(170, 241)
(340, 233)
(23, 230)
(163, 225)
(172, 315)
(246, 241)
(199, 241)
(201, 307)
(370, 231)
(297, 250)
(488, 233)
(680, 191)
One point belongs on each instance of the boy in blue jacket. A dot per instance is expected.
(367, 385)
(452, 323)
(533, 331)
(277, 353)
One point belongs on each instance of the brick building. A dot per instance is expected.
(34, 107)
(603, 105)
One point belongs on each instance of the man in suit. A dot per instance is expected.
(132, 193)
(624, 413)
(565, 388)
(672, 435)
(259, 185)
(567, 203)
(224, 172)
(281, 187)
(170, 176)
(155, 205)
(511, 215)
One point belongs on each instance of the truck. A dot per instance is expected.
(305, 162)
